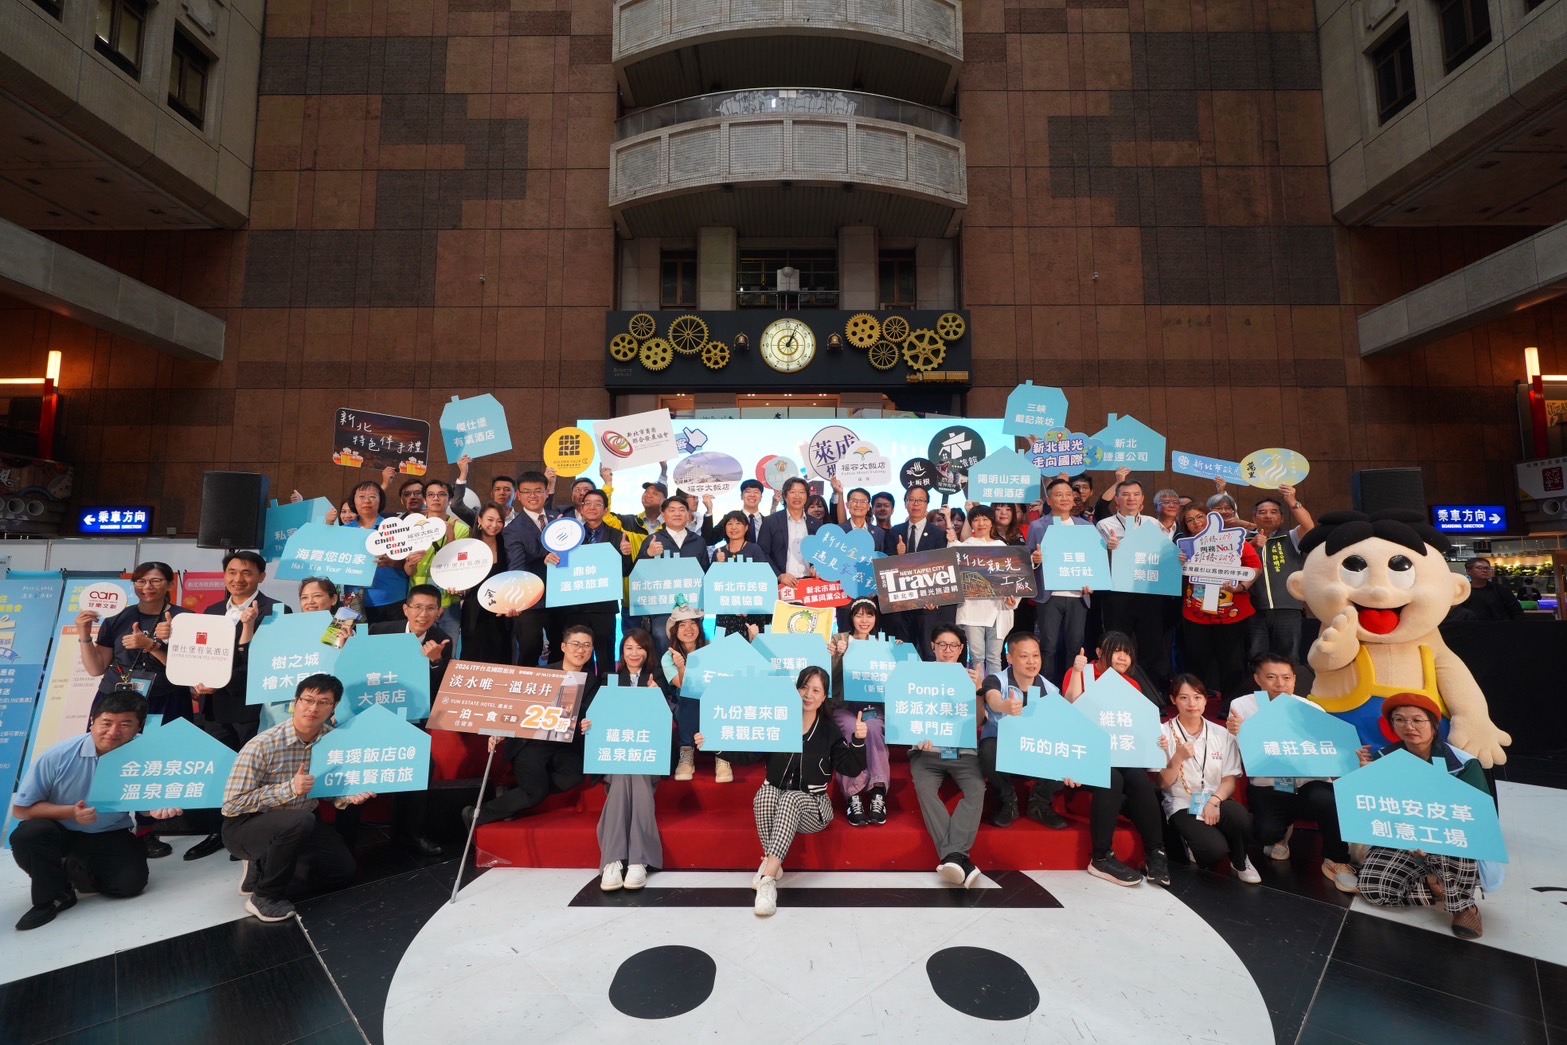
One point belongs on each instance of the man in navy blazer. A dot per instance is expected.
(782, 548)
(674, 537)
(523, 539)
(919, 534)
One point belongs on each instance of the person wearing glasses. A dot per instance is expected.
(544, 767)
(269, 818)
(1489, 598)
(953, 833)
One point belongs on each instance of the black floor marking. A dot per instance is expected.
(661, 982)
(982, 983)
(1017, 891)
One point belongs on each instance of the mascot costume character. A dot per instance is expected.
(1380, 585)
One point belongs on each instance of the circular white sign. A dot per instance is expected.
(461, 564)
(514, 590)
(562, 535)
(399, 536)
(105, 598)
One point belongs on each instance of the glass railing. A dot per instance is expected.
(787, 101)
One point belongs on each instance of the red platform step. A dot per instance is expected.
(709, 826)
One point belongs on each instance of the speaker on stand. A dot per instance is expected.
(233, 510)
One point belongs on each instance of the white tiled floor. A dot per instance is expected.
(1518, 919)
(180, 898)
(510, 956)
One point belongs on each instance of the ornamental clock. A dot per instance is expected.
(787, 345)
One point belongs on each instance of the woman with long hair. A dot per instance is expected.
(629, 843)
(486, 636)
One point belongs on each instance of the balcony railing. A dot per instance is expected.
(787, 101)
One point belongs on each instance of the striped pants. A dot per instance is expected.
(1397, 878)
(780, 815)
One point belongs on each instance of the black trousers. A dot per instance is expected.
(1133, 790)
(542, 767)
(294, 852)
(601, 622)
(529, 626)
(1005, 784)
(1216, 653)
(1060, 620)
(1143, 618)
(1211, 843)
(1274, 811)
(116, 861)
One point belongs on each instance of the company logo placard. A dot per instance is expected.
(907, 582)
(201, 650)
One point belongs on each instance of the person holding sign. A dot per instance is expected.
(486, 636)
(864, 623)
(437, 501)
(854, 513)
(131, 647)
(58, 829)
(987, 621)
(1277, 803)
(524, 541)
(269, 818)
(1214, 642)
(1411, 878)
(784, 532)
(953, 833)
(1199, 783)
(687, 637)
(919, 534)
(737, 545)
(597, 617)
(384, 597)
(1059, 616)
(629, 842)
(1006, 693)
(1130, 788)
(793, 799)
(1137, 614)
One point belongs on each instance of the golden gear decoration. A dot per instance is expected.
(895, 329)
(715, 355)
(642, 326)
(863, 330)
(950, 326)
(623, 348)
(884, 355)
(924, 350)
(687, 334)
(657, 354)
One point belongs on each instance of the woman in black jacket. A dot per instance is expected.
(793, 799)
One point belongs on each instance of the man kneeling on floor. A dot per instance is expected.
(62, 843)
(269, 820)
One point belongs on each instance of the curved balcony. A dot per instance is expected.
(666, 49)
(788, 162)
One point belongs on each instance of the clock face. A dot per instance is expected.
(787, 345)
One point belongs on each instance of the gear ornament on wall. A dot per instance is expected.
(623, 348)
(924, 350)
(950, 326)
(657, 354)
(883, 355)
(687, 334)
(642, 326)
(863, 330)
(715, 355)
(895, 329)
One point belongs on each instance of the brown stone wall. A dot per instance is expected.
(1148, 227)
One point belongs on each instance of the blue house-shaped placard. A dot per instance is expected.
(174, 766)
(1404, 802)
(1005, 475)
(740, 587)
(1296, 738)
(337, 553)
(1125, 442)
(1073, 557)
(586, 574)
(1053, 740)
(631, 732)
(284, 519)
(288, 647)
(729, 656)
(752, 714)
(377, 751)
(474, 427)
(655, 583)
(867, 664)
(1034, 409)
(1128, 718)
(934, 702)
(387, 671)
(792, 654)
(1145, 561)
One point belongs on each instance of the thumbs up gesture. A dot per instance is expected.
(625, 545)
(136, 639)
(165, 626)
(1080, 661)
(859, 726)
(903, 546)
(436, 650)
(84, 814)
(655, 548)
(302, 781)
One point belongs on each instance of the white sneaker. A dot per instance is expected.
(756, 879)
(1248, 874)
(687, 767)
(636, 876)
(951, 872)
(722, 772)
(611, 880)
(1279, 850)
(766, 897)
(1343, 876)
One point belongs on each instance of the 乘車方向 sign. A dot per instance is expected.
(1469, 518)
(117, 520)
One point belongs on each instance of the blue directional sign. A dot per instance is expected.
(1469, 518)
(1404, 802)
(630, 733)
(175, 766)
(1053, 740)
(118, 519)
(377, 752)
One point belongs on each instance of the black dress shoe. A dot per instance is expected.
(43, 914)
(419, 845)
(206, 847)
(156, 847)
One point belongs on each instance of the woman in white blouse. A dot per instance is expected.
(986, 622)
(1199, 783)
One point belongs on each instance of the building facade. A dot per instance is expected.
(1178, 210)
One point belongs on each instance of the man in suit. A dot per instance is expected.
(750, 506)
(224, 712)
(597, 617)
(920, 534)
(783, 533)
(421, 611)
(674, 538)
(523, 539)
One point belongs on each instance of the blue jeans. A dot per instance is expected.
(688, 716)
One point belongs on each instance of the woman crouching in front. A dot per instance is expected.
(793, 799)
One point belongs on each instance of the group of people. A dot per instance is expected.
(1188, 655)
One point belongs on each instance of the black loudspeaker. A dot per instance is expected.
(1379, 489)
(233, 510)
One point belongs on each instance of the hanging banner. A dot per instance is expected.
(28, 604)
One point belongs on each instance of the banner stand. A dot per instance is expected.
(473, 828)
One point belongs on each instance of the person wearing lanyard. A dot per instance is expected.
(383, 599)
(629, 842)
(1199, 783)
(1137, 614)
(597, 617)
(1006, 693)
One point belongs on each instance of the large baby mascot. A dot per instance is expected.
(1380, 585)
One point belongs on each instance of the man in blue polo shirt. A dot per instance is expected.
(62, 843)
